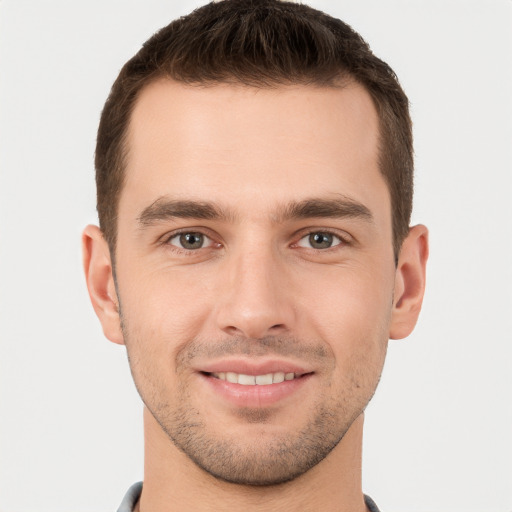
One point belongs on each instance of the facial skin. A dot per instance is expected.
(288, 268)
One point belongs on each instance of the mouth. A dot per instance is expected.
(245, 385)
(266, 379)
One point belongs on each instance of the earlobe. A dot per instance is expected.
(100, 282)
(409, 282)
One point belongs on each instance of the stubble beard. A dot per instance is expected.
(264, 460)
(257, 463)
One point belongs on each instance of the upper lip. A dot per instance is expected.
(251, 367)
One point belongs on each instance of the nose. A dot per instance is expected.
(255, 296)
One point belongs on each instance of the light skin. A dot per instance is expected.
(254, 237)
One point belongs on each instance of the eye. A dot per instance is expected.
(190, 240)
(319, 240)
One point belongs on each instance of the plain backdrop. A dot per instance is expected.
(438, 431)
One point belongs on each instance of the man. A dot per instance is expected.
(254, 178)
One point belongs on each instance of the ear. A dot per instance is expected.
(409, 282)
(100, 282)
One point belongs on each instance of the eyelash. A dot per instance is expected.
(181, 250)
(343, 240)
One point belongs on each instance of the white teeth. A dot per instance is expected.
(278, 377)
(246, 380)
(231, 377)
(264, 379)
(253, 380)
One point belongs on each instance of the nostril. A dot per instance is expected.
(231, 329)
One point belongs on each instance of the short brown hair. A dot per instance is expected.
(260, 43)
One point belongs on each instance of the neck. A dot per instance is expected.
(172, 482)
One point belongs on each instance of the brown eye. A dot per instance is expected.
(190, 241)
(319, 240)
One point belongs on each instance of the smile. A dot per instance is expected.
(254, 380)
(255, 387)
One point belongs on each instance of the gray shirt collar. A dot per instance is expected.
(135, 490)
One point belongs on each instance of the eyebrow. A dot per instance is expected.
(167, 209)
(164, 209)
(338, 208)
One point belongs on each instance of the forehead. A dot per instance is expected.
(236, 144)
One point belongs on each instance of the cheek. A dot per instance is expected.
(348, 299)
(163, 305)
(351, 312)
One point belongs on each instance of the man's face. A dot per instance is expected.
(255, 270)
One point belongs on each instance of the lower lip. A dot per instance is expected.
(255, 396)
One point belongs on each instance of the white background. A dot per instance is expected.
(438, 432)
